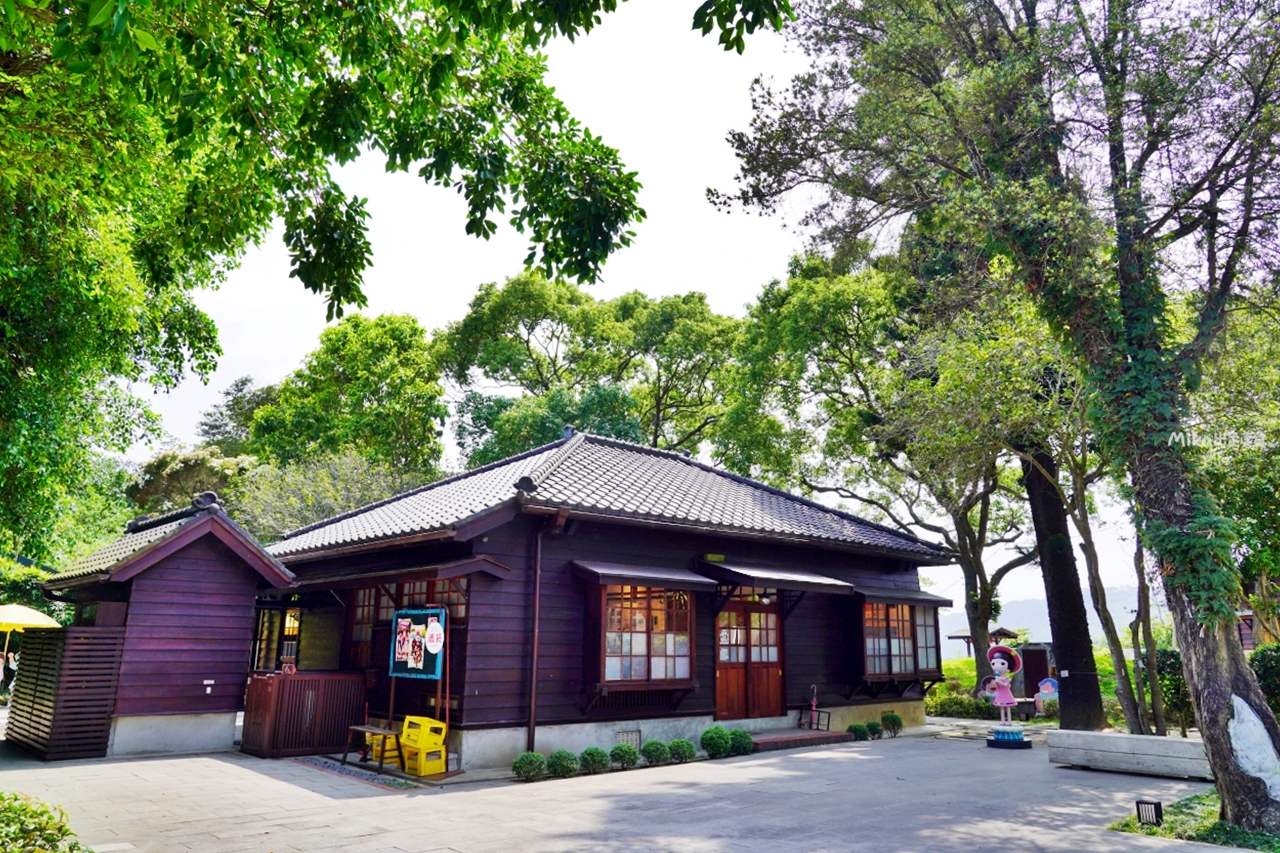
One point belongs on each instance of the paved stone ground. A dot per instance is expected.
(891, 796)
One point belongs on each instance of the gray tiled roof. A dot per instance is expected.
(105, 558)
(609, 478)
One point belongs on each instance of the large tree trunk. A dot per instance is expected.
(1149, 640)
(977, 608)
(1239, 730)
(1124, 686)
(1226, 695)
(1081, 704)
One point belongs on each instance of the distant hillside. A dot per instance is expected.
(1032, 613)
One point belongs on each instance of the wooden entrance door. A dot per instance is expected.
(731, 665)
(764, 664)
(748, 662)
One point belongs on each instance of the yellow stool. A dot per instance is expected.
(423, 742)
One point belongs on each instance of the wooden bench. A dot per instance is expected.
(1125, 753)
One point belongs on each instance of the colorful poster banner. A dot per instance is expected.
(417, 646)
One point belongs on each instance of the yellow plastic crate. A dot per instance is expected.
(423, 742)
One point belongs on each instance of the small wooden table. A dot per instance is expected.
(375, 731)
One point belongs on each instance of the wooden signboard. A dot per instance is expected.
(417, 643)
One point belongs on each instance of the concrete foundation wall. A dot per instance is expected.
(172, 733)
(910, 710)
(487, 748)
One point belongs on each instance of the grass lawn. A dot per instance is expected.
(1196, 819)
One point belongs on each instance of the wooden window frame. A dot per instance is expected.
(916, 670)
(602, 602)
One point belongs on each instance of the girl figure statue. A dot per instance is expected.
(1004, 663)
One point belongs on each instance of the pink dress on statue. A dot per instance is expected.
(1004, 696)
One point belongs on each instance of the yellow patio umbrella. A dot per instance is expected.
(15, 617)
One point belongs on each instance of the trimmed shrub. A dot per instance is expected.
(1265, 661)
(562, 764)
(655, 752)
(529, 767)
(625, 756)
(859, 731)
(965, 707)
(683, 750)
(593, 760)
(28, 824)
(740, 742)
(1177, 700)
(892, 723)
(874, 729)
(1050, 708)
(716, 742)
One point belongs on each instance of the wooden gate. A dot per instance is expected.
(306, 713)
(65, 692)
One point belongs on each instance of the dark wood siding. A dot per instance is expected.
(190, 620)
(822, 642)
(821, 637)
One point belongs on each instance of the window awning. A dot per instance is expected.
(617, 573)
(775, 578)
(903, 596)
(444, 571)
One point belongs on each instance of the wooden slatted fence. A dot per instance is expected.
(65, 692)
(306, 713)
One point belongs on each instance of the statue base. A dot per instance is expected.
(1007, 737)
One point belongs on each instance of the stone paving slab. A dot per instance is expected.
(890, 796)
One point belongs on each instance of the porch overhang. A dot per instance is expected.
(444, 571)
(767, 576)
(903, 596)
(655, 576)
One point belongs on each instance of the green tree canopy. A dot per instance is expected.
(226, 424)
(372, 385)
(272, 499)
(171, 478)
(827, 394)
(1117, 154)
(634, 367)
(490, 428)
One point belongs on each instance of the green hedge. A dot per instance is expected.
(859, 731)
(562, 764)
(594, 760)
(529, 766)
(683, 750)
(716, 742)
(655, 753)
(966, 707)
(29, 825)
(625, 756)
(740, 742)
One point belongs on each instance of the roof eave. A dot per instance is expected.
(737, 533)
(365, 545)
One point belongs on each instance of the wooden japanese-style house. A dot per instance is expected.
(157, 657)
(599, 590)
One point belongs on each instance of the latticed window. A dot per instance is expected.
(386, 602)
(901, 647)
(875, 628)
(362, 621)
(927, 637)
(448, 593)
(647, 634)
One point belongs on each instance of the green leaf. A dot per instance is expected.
(145, 40)
(79, 66)
(10, 10)
(61, 49)
(100, 12)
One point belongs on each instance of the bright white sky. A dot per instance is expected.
(660, 93)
